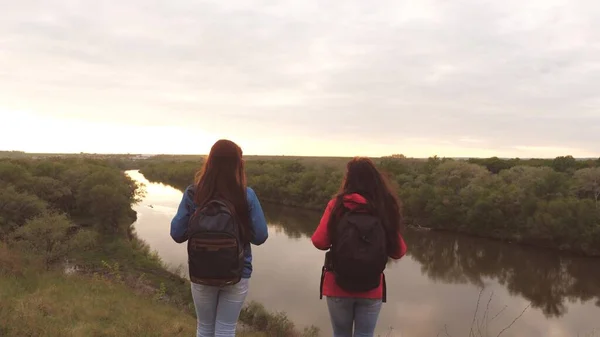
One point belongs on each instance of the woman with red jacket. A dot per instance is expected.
(366, 191)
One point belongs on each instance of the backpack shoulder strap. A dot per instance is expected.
(359, 208)
(222, 205)
(191, 191)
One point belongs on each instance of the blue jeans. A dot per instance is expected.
(218, 309)
(346, 312)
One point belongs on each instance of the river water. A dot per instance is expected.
(434, 288)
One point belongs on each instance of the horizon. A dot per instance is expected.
(460, 79)
(148, 155)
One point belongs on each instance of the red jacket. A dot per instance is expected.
(321, 240)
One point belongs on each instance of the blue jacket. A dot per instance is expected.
(187, 207)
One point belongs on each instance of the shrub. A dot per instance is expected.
(52, 236)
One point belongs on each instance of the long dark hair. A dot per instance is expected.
(362, 177)
(223, 177)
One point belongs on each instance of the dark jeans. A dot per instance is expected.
(349, 312)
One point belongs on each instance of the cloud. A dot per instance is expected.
(510, 75)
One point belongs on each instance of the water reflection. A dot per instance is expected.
(543, 277)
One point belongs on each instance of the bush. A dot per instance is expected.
(53, 237)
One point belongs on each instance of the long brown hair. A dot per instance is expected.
(223, 177)
(363, 177)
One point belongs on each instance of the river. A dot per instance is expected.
(434, 288)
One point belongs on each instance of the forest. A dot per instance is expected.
(551, 203)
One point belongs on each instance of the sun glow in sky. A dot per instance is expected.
(34, 133)
(460, 79)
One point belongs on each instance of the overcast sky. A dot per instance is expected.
(352, 77)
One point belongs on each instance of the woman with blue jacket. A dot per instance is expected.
(222, 177)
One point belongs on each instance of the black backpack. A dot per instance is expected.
(215, 249)
(358, 254)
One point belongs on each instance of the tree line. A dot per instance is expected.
(545, 202)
